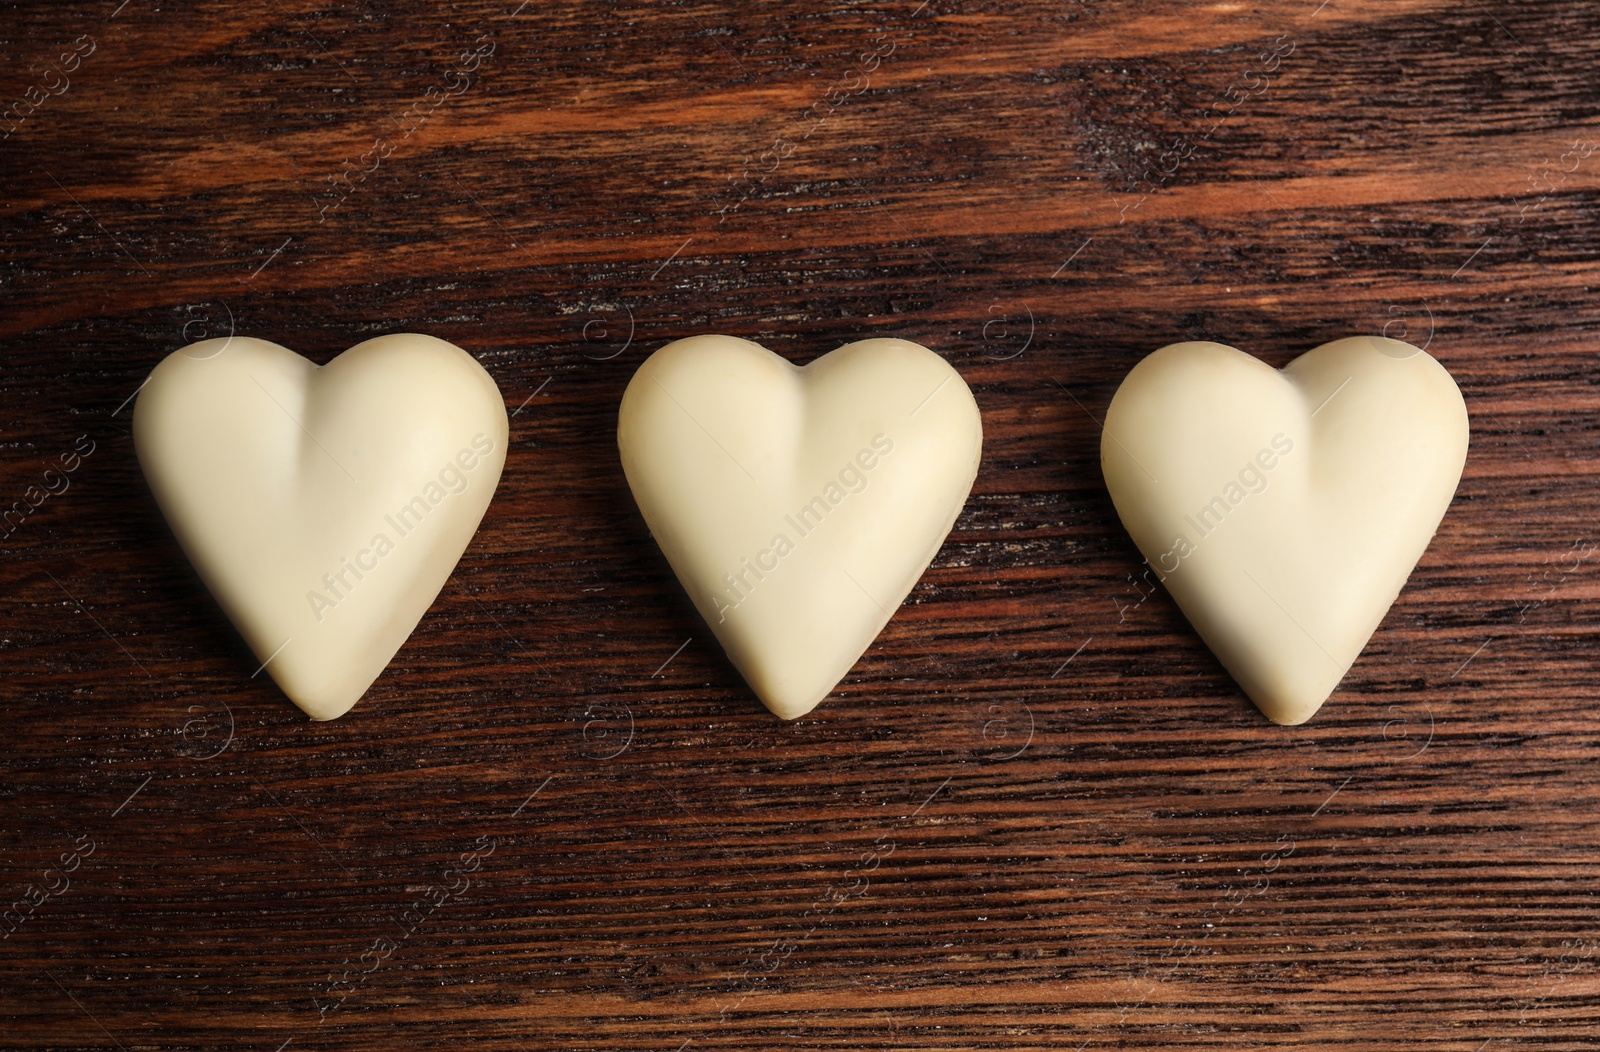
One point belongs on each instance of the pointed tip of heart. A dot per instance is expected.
(1288, 695)
(787, 710)
(327, 716)
(1290, 712)
(787, 693)
(318, 698)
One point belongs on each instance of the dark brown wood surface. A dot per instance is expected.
(1037, 814)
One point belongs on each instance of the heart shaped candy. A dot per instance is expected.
(798, 505)
(1284, 511)
(323, 506)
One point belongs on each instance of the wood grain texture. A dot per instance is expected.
(1037, 815)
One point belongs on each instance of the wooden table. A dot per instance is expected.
(1037, 814)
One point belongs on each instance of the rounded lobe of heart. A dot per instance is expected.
(1284, 511)
(798, 506)
(324, 507)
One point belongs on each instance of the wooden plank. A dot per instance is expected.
(1037, 814)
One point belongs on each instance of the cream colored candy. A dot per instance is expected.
(1284, 511)
(798, 506)
(323, 506)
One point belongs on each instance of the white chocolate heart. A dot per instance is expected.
(798, 505)
(1284, 511)
(323, 506)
